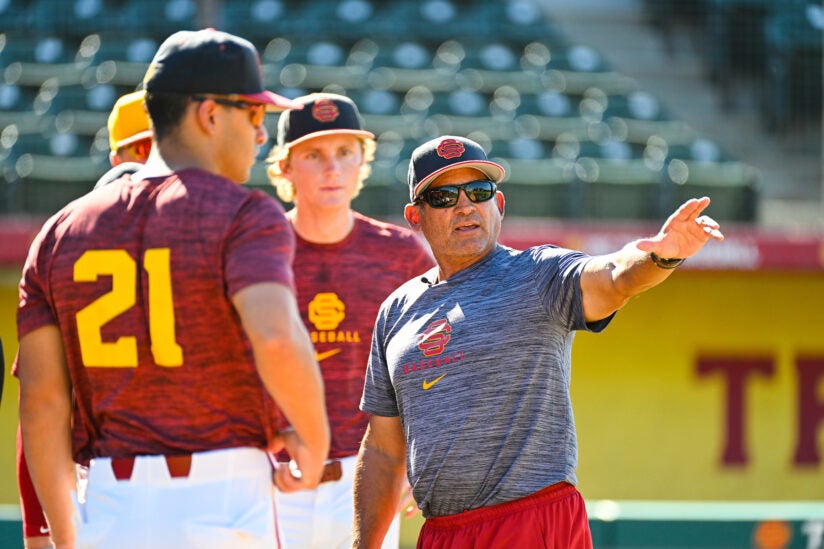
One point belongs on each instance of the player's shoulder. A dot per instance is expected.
(224, 192)
(117, 172)
(370, 226)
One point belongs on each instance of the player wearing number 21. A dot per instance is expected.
(484, 339)
(165, 303)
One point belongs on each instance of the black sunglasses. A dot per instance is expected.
(257, 110)
(447, 196)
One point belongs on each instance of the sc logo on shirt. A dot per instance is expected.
(326, 311)
(435, 337)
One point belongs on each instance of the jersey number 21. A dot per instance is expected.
(123, 270)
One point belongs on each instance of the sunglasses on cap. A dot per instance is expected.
(447, 196)
(257, 110)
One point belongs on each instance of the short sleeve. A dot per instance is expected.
(260, 246)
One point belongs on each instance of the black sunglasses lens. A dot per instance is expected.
(479, 191)
(447, 196)
(442, 197)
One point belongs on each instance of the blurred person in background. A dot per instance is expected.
(160, 340)
(130, 137)
(345, 265)
(469, 374)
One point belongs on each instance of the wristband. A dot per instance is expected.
(665, 263)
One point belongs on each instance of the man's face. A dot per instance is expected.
(325, 170)
(242, 135)
(461, 234)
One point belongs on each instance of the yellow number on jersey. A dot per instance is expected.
(123, 270)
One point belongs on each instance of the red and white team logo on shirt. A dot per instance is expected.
(435, 337)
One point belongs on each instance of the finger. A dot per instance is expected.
(714, 233)
(692, 208)
(707, 221)
(710, 227)
(286, 482)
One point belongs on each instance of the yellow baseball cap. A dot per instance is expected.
(128, 121)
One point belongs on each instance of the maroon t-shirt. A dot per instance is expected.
(340, 288)
(138, 276)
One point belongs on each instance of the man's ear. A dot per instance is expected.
(500, 201)
(205, 116)
(412, 214)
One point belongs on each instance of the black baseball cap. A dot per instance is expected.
(319, 114)
(444, 154)
(209, 61)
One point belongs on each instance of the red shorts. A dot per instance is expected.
(554, 517)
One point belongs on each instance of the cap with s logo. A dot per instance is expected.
(209, 61)
(321, 114)
(444, 154)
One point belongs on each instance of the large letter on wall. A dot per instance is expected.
(810, 409)
(735, 371)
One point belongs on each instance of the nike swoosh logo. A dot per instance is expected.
(429, 384)
(44, 529)
(326, 354)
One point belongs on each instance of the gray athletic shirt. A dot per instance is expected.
(478, 369)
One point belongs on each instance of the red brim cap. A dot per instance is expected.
(447, 153)
(273, 101)
(495, 172)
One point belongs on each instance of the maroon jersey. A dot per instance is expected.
(138, 276)
(340, 288)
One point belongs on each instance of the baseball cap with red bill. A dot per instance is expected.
(444, 154)
(209, 61)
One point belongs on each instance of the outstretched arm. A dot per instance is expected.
(609, 281)
(379, 478)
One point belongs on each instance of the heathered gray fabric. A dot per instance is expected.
(498, 425)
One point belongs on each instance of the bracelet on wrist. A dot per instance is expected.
(665, 263)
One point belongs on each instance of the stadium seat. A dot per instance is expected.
(519, 20)
(542, 187)
(382, 102)
(406, 54)
(617, 189)
(734, 43)
(158, 18)
(732, 187)
(257, 20)
(792, 91)
(16, 98)
(638, 105)
(521, 148)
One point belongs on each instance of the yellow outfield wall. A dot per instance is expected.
(708, 387)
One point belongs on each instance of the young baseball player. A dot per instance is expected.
(159, 335)
(130, 140)
(469, 375)
(345, 265)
